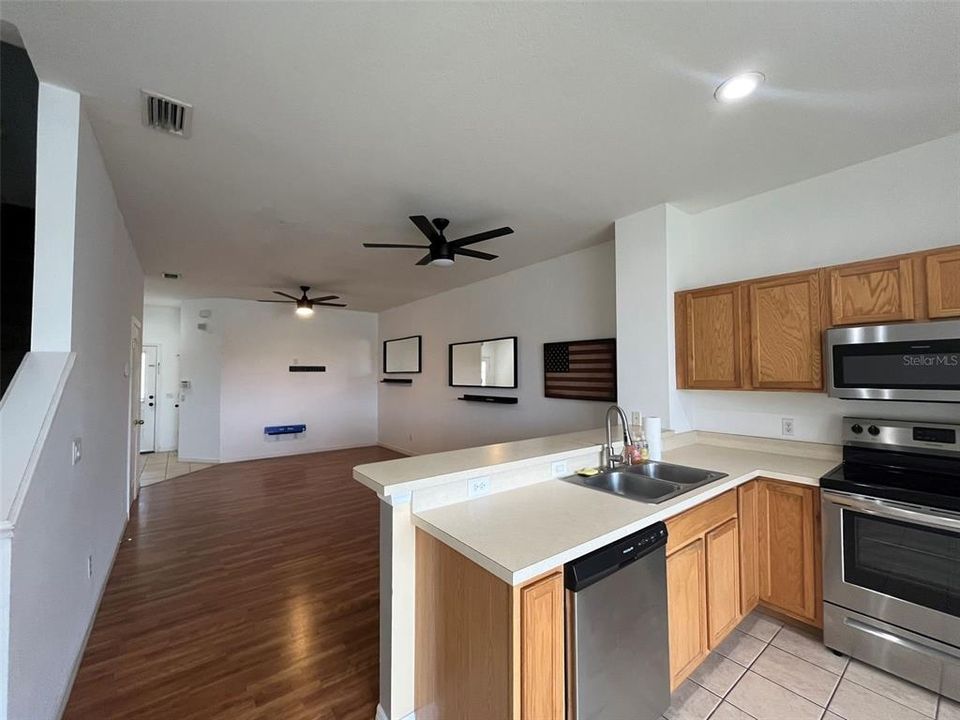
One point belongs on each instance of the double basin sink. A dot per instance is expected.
(652, 482)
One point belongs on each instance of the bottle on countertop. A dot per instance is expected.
(639, 452)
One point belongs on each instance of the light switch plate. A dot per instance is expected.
(478, 486)
(559, 469)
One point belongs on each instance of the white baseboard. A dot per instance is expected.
(382, 715)
(199, 461)
(86, 636)
(402, 451)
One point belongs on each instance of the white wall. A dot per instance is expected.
(161, 327)
(240, 382)
(571, 297)
(72, 512)
(897, 203)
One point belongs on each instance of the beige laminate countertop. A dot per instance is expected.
(521, 533)
(393, 477)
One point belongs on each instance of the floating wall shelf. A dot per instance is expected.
(397, 381)
(496, 399)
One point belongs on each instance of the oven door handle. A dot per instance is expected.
(902, 641)
(894, 510)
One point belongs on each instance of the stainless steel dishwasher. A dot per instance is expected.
(618, 662)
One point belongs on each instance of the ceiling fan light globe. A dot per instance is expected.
(304, 311)
(441, 262)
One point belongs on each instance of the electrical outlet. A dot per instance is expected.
(559, 469)
(635, 418)
(786, 427)
(89, 566)
(75, 452)
(478, 486)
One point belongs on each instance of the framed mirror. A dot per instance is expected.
(484, 363)
(402, 355)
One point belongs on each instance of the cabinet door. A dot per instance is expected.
(541, 649)
(709, 332)
(943, 284)
(687, 603)
(749, 567)
(785, 332)
(870, 292)
(723, 580)
(789, 549)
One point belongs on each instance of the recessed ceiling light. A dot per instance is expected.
(738, 87)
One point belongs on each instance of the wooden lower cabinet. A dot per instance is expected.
(541, 649)
(748, 516)
(485, 649)
(687, 607)
(789, 549)
(723, 580)
(703, 581)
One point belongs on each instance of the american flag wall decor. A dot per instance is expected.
(581, 370)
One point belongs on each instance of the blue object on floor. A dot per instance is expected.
(284, 429)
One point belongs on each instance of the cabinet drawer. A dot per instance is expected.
(693, 523)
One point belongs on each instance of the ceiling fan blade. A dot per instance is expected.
(488, 235)
(279, 301)
(474, 253)
(425, 260)
(325, 297)
(326, 304)
(426, 227)
(393, 245)
(286, 295)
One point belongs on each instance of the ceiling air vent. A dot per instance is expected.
(166, 114)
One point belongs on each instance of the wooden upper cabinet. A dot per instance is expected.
(789, 549)
(872, 292)
(542, 650)
(785, 325)
(709, 334)
(943, 283)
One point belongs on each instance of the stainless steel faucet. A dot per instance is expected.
(609, 459)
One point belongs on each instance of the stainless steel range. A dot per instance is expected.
(891, 550)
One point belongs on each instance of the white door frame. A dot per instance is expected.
(133, 429)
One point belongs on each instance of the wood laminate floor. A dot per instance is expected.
(247, 590)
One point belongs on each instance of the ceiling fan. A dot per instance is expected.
(305, 304)
(442, 252)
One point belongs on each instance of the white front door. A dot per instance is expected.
(133, 369)
(148, 399)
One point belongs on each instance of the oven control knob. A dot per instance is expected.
(856, 428)
(873, 430)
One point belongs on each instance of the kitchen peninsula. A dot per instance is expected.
(473, 544)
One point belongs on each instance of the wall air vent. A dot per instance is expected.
(166, 114)
(171, 276)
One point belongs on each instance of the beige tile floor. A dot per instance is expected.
(769, 671)
(156, 467)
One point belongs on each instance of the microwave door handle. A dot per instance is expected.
(896, 511)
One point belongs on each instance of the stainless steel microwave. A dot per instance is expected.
(912, 361)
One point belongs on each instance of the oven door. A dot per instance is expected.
(892, 561)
